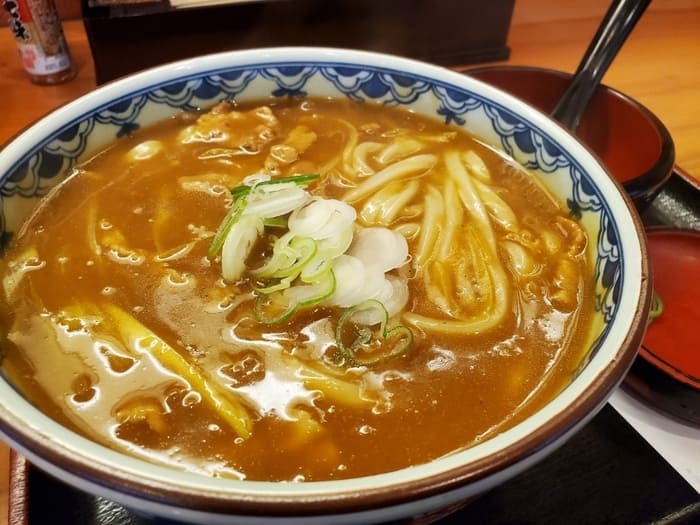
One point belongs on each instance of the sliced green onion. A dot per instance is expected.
(657, 307)
(272, 287)
(316, 266)
(234, 213)
(299, 180)
(237, 246)
(313, 293)
(360, 345)
(240, 202)
(275, 201)
(305, 249)
(282, 257)
(275, 222)
(328, 250)
(240, 191)
(309, 261)
(290, 254)
(322, 218)
(278, 307)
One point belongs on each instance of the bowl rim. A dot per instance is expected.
(67, 451)
(647, 183)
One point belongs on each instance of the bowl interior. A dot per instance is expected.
(34, 163)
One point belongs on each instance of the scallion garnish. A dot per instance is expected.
(240, 201)
(361, 345)
(307, 259)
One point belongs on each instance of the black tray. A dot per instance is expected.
(606, 473)
(677, 205)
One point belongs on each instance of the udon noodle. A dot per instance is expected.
(295, 290)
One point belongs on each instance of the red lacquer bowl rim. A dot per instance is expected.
(656, 355)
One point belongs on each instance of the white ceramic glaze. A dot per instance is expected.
(31, 164)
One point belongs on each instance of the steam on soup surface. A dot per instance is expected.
(295, 290)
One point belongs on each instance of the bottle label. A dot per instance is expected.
(37, 30)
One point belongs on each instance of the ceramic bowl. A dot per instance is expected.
(631, 141)
(33, 162)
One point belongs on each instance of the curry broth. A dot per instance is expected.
(134, 233)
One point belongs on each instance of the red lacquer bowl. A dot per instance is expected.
(666, 373)
(631, 141)
(671, 341)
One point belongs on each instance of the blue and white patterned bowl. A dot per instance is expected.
(34, 162)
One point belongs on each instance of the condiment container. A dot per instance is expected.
(40, 41)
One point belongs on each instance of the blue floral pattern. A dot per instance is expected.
(42, 167)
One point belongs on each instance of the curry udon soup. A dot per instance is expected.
(295, 290)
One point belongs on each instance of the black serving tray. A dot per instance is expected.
(605, 474)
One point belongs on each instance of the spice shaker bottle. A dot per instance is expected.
(42, 47)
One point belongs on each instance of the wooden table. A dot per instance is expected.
(659, 66)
